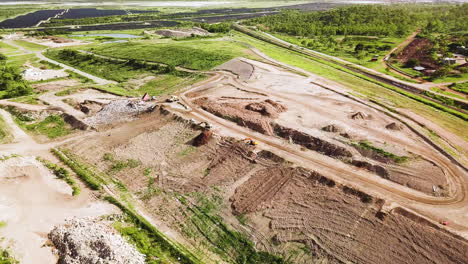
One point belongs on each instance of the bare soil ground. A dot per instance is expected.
(301, 206)
(322, 120)
(419, 49)
(32, 201)
(285, 204)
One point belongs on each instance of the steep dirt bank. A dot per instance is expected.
(283, 203)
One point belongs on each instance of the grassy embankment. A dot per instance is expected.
(7, 258)
(13, 11)
(346, 51)
(364, 88)
(61, 173)
(162, 79)
(148, 239)
(5, 135)
(52, 126)
(196, 55)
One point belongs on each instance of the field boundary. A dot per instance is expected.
(403, 89)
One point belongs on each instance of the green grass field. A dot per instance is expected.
(5, 135)
(30, 46)
(364, 88)
(197, 54)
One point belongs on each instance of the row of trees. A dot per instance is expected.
(375, 20)
(12, 83)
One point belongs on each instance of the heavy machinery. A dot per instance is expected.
(250, 141)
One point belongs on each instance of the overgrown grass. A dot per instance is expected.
(87, 174)
(460, 87)
(369, 146)
(198, 55)
(7, 258)
(62, 174)
(168, 84)
(28, 99)
(117, 165)
(52, 126)
(441, 91)
(29, 45)
(149, 240)
(5, 135)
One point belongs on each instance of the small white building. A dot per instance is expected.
(419, 68)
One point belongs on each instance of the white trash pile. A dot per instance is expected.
(88, 241)
(118, 111)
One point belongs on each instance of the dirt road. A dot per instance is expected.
(404, 196)
(96, 79)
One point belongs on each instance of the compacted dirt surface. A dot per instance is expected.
(316, 174)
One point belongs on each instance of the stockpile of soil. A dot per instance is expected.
(90, 107)
(238, 113)
(377, 169)
(183, 32)
(419, 49)
(394, 126)
(203, 138)
(338, 223)
(267, 108)
(86, 241)
(311, 142)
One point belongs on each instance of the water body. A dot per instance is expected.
(111, 35)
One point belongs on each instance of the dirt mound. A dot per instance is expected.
(359, 115)
(90, 107)
(394, 126)
(311, 142)
(379, 170)
(74, 122)
(242, 69)
(238, 114)
(339, 224)
(203, 138)
(332, 129)
(267, 108)
(419, 49)
(183, 32)
(86, 241)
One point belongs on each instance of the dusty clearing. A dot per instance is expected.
(309, 112)
(31, 212)
(284, 203)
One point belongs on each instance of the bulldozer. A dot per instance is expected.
(250, 141)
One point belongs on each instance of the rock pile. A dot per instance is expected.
(87, 241)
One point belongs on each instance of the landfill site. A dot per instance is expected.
(299, 157)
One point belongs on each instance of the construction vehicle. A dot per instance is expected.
(172, 99)
(205, 125)
(250, 141)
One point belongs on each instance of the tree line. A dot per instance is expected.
(374, 20)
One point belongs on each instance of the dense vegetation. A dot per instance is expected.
(198, 55)
(6, 12)
(11, 81)
(358, 33)
(6, 258)
(373, 20)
